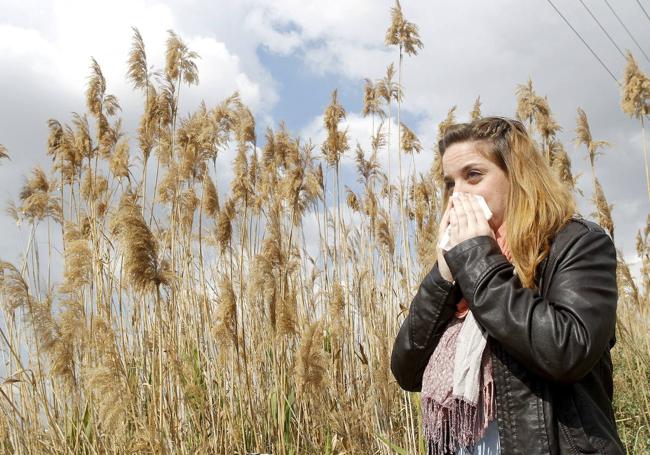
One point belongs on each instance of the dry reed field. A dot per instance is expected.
(189, 321)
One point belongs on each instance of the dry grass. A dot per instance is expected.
(189, 321)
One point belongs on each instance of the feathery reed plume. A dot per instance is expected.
(353, 200)
(268, 173)
(93, 186)
(269, 154)
(188, 202)
(372, 100)
(270, 265)
(378, 140)
(367, 169)
(386, 87)
(603, 209)
(286, 309)
(224, 224)
(138, 71)
(313, 188)
(107, 381)
(96, 89)
(82, 139)
(311, 366)
(425, 219)
(636, 90)
(300, 186)
(546, 124)
(371, 208)
(476, 110)
(109, 138)
(195, 141)
(101, 105)
(405, 35)
(139, 246)
(561, 164)
(526, 98)
(169, 184)
(166, 104)
(422, 193)
(625, 283)
(55, 138)
(149, 122)
(210, 196)
(533, 108)
(402, 33)
(542, 113)
(223, 115)
(583, 136)
(14, 288)
(389, 90)
(37, 199)
(384, 232)
(337, 141)
(226, 328)
(61, 147)
(3, 152)
(13, 212)
(285, 151)
(436, 166)
(636, 103)
(337, 311)
(179, 60)
(245, 126)
(119, 161)
(447, 122)
(410, 142)
(77, 265)
(60, 350)
(240, 186)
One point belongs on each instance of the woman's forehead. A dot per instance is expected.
(463, 154)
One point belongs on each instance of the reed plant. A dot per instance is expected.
(259, 319)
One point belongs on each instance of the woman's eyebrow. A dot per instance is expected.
(447, 178)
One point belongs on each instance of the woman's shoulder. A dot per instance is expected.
(574, 229)
(577, 225)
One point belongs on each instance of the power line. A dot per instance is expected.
(603, 29)
(643, 9)
(628, 32)
(584, 42)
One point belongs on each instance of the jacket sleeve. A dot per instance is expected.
(431, 309)
(560, 336)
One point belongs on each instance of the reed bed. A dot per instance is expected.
(261, 319)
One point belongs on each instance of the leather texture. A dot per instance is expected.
(550, 345)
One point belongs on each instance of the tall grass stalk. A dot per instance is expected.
(259, 319)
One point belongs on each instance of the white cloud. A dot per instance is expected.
(85, 29)
(266, 28)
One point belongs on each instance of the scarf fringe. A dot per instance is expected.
(461, 424)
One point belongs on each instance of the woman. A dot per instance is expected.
(508, 337)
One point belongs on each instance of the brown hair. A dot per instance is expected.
(538, 205)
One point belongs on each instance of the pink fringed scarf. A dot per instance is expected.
(450, 420)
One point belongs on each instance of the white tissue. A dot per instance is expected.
(446, 236)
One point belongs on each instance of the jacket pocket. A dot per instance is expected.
(573, 438)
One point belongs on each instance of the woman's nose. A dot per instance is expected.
(460, 188)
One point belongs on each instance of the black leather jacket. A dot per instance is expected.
(550, 349)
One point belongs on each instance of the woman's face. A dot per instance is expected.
(465, 170)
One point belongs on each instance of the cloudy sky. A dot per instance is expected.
(286, 56)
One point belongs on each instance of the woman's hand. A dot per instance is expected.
(467, 219)
(442, 264)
